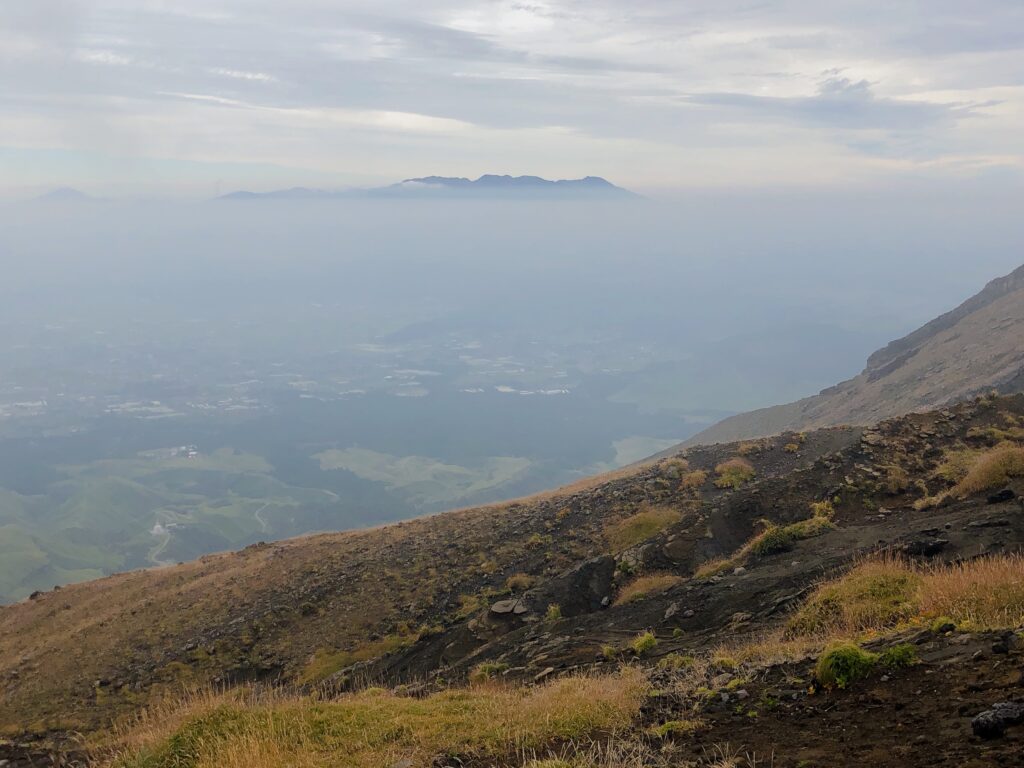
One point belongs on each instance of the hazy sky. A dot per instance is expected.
(127, 96)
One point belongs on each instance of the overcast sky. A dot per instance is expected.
(188, 96)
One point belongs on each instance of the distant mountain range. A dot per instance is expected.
(65, 194)
(970, 350)
(434, 187)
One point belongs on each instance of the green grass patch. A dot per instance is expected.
(641, 526)
(843, 663)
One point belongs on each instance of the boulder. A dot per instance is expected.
(992, 723)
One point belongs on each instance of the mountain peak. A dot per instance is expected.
(64, 194)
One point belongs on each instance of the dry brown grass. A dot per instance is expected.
(886, 594)
(992, 469)
(985, 594)
(376, 728)
(693, 480)
(645, 586)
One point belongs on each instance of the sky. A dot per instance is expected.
(196, 97)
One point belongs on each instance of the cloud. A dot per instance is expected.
(731, 80)
(845, 104)
(240, 74)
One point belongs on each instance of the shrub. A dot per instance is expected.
(991, 469)
(823, 509)
(776, 538)
(486, 670)
(843, 663)
(748, 448)
(898, 656)
(733, 473)
(896, 480)
(554, 612)
(640, 588)
(644, 642)
(676, 661)
(641, 526)
(519, 582)
(791, 447)
(694, 479)
(675, 466)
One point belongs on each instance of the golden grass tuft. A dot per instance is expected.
(733, 473)
(693, 480)
(645, 586)
(992, 469)
(879, 594)
(987, 593)
(377, 728)
(641, 526)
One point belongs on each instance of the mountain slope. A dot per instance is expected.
(672, 554)
(978, 346)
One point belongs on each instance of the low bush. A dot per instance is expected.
(519, 582)
(777, 538)
(843, 663)
(554, 612)
(486, 670)
(733, 473)
(643, 643)
(693, 480)
(898, 656)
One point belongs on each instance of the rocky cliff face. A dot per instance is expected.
(978, 346)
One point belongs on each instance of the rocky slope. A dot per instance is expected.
(974, 348)
(540, 588)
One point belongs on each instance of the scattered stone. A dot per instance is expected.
(992, 723)
(1000, 647)
(999, 497)
(977, 656)
(671, 611)
(739, 570)
(945, 627)
(505, 607)
(997, 523)
(688, 613)
(543, 674)
(741, 694)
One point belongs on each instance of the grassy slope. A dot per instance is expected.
(266, 611)
(272, 611)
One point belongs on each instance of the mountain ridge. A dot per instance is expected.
(486, 186)
(975, 347)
